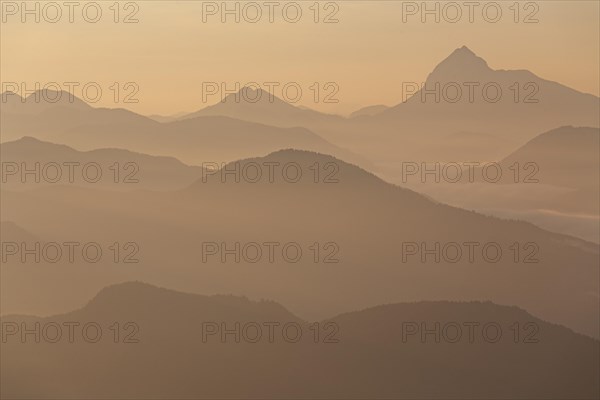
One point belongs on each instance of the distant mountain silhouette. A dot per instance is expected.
(120, 169)
(192, 140)
(461, 64)
(551, 181)
(364, 219)
(370, 110)
(166, 118)
(423, 128)
(566, 156)
(415, 130)
(527, 104)
(55, 121)
(40, 101)
(370, 357)
(557, 103)
(268, 109)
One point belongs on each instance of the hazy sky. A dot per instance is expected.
(368, 53)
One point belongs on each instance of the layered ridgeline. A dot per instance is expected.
(461, 93)
(464, 110)
(474, 95)
(566, 157)
(563, 164)
(71, 121)
(259, 105)
(552, 181)
(30, 162)
(499, 109)
(277, 225)
(158, 343)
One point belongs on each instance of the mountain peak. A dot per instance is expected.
(250, 94)
(464, 51)
(465, 55)
(462, 62)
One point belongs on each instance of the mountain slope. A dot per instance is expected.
(566, 156)
(192, 140)
(495, 102)
(167, 351)
(351, 229)
(369, 110)
(115, 168)
(40, 101)
(564, 162)
(258, 105)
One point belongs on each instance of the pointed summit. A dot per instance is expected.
(465, 55)
(461, 63)
(464, 51)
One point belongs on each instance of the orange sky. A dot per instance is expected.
(170, 52)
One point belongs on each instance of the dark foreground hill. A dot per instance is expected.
(158, 343)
